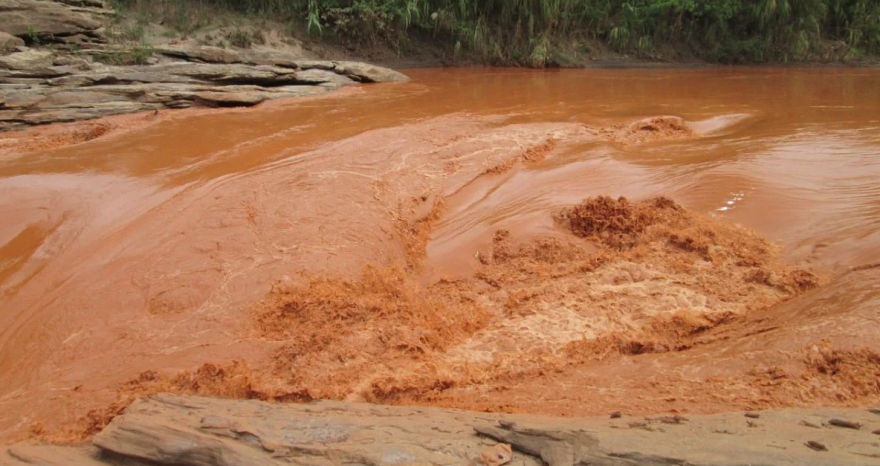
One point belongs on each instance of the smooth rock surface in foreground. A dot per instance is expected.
(194, 431)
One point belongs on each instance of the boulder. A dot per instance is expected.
(322, 77)
(8, 43)
(366, 73)
(49, 21)
(230, 99)
(29, 60)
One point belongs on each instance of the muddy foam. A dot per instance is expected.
(621, 279)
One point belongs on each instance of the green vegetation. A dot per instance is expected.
(32, 37)
(533, 31)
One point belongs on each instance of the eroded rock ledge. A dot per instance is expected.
(41, 88)
(69, 80)
(194, 431)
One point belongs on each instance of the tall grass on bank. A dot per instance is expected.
(525, 31)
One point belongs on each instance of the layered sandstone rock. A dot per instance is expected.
(194, 431)
(40, 86)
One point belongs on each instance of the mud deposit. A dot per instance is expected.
(563, 243)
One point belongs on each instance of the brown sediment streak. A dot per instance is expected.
(416, 233)
(36, 139)
(532, 154)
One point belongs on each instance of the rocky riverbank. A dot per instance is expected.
(54, 70)
(194, 431)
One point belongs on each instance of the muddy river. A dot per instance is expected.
(429, 243)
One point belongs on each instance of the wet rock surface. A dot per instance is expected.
(70, 82)
(183, 430)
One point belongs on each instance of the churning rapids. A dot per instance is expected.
(454, 241)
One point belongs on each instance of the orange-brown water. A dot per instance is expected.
(207, 237)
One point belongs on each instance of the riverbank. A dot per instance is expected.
(560, 33)
(71, 71)
(174, 430)
(63, 61)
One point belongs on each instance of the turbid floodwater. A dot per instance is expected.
(429, 243)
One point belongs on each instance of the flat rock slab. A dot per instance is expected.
(195, 431)
(40, 86)
(230, 99)
(8, 42)
(34, 92)
(43, 86)
(203, 54)
(53, 21)
(26, 60)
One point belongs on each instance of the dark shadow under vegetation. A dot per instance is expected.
(535, 32)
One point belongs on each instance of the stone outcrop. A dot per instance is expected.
(40, 86)
(360, 72)
(9, 43)
(194, 431)
(37, 87)
(60, 22)
(27, 60)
